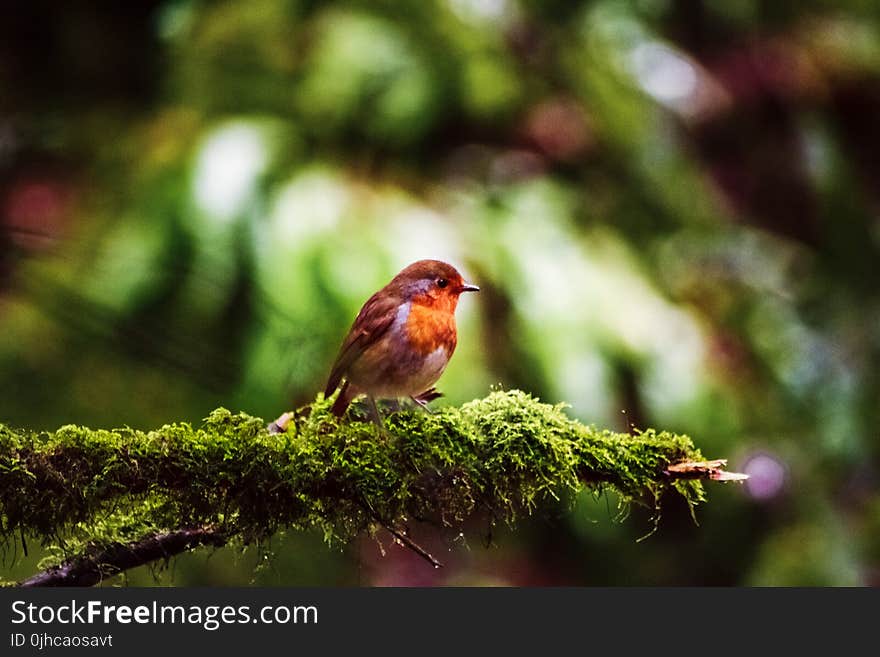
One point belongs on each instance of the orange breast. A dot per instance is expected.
(430, 326)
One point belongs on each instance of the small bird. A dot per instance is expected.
(402, 339)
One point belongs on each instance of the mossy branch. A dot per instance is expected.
(91, 492)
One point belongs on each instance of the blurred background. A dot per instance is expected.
(672, 208)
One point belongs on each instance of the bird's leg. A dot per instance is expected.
(422, 404)
(423, 398)
(377, 417)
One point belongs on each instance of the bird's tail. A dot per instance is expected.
(343, 400)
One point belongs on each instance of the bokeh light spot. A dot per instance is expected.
(226, 169)
(767, 476)
(662, 73)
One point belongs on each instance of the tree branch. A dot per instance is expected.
(99, 564)
(121, 490)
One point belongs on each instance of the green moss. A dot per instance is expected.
(502, 455)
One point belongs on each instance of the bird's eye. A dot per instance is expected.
(442, 282)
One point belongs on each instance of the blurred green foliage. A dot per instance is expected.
(670, 206)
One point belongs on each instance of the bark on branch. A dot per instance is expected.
(98, 564)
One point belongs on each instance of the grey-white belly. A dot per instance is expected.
(399, 377)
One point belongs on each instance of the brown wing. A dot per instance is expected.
(374, 319)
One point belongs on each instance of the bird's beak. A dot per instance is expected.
(467, 287)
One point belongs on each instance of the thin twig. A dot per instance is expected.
(280, 425)
(403, 538)
(704, 470)
(415, 547)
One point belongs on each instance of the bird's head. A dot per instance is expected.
(432, 282)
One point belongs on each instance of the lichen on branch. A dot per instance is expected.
(78, 489)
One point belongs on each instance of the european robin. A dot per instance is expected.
(402, 339)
